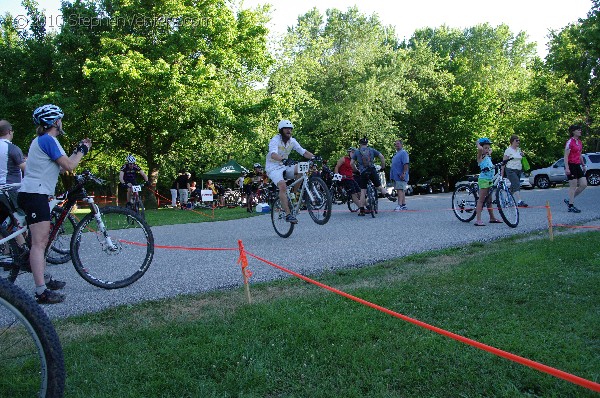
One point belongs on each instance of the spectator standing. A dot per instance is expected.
(399, 174)
(484, 160)
(514, 168)
(174, 191)
(182, 184)
(574, 167)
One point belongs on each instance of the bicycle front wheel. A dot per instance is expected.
(113, 249)
(464, 203)
(507, 206)
(60, 249)
(31, 357)
(281, 226)
(318, 200)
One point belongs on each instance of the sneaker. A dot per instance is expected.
(390, 198)
(53, 284)
(291, 219)
(361, 213)
(573, 209)
(403, 207)
(49, 297)
(522, 204)
(398, 208)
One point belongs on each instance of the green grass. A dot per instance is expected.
(532, 297)
(163, 216)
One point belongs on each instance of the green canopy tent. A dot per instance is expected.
(230, 170)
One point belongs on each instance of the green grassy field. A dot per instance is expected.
(532, 297)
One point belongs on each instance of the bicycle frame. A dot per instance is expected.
(303, 168)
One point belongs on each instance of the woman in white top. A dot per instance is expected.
(514, 168)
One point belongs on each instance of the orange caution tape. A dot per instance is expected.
(515, 358)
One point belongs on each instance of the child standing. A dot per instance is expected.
(484, 160)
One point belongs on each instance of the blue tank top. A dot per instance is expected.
(486, 163)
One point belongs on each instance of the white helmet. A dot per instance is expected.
(284, 123)
(130, 158)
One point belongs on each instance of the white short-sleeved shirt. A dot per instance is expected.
(11, 158)
(41, 173)
(277, 146)
(516, 156)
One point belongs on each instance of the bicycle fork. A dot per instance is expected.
(101, 227)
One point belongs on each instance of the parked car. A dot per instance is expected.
(469, 179)
(555, 173)
(430, 185)
(392, 191)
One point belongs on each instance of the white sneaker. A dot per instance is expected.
(403, 207)
(398, 208)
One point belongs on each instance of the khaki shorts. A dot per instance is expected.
(403, 185)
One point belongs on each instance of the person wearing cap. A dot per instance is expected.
(45, 160)
(365, 158)
(399, 174)
(484, 160)
(574, 167)
(346, 169)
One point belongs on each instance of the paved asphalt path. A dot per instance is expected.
(345, 241)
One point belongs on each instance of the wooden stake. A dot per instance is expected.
(550, 231)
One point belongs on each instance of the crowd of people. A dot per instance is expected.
(37, 175)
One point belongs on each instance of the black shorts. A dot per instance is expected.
(369, 174)
(351, 186)
(576, 171)
(35, 206)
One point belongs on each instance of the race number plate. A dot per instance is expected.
(303, 167)
(136, 188)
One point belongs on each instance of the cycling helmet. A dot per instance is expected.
(257, 166)
(131, 159)
(46, 115)
(363, 141)
(284, 123)
(484, 140)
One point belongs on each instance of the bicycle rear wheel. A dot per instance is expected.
(353, 207)
(113, 250)
(318, 200)
(464, 203)
(60, 249)
(31, 357)
(371, 200)
(507, 206)
(281, 226)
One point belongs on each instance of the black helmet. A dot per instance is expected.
(363, 141)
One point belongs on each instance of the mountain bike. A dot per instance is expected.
(313, 194)
(31, 357)
(111, 247)
(464, 199)
(339, 195)
(136, 204)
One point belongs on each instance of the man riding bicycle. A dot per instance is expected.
(277, 167)
(365, 158)
(128, 176)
